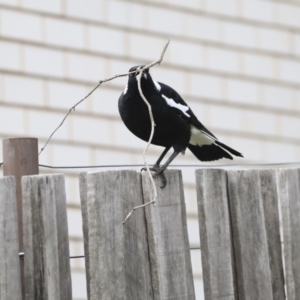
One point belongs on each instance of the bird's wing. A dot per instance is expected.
(178, 105)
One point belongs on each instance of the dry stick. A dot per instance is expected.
(145, 150)
(150, 113)
(74, 106)
(152, 130)
(99, 83)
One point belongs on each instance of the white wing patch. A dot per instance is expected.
(179, 106)
(199, 138)
(126, 89)
(208, 135)
(157, 85)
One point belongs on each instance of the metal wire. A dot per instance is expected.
(174, 166)
(177, 165)
(22, 254)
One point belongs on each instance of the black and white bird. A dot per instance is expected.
(176, 125)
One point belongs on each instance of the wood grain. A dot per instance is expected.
(215, 235)
(289, 196)
(269, 195)
(83, 198)
(10, 283)
(249, 235)
(168, 239)
(118, 260)
(20, 158)
(46, 245)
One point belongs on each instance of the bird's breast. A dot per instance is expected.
(170, 128)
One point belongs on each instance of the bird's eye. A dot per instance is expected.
(132, 74)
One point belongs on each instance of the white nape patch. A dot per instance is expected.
(157, 85)
(145, 75)
(199, 138)
(179, 106)
(126, 89)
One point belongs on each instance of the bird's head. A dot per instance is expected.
(133, 77)
(147, 82)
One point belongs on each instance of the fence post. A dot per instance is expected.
(249, 235)
(289, 196)
(215, 235)
(170, 259)
(270, 200)
(46, 244)
(117, 255)
(20, 158)
(10, 284)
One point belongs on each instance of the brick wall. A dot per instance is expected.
(236, 62)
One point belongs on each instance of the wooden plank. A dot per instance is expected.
(215, 235)
(118, 260)
(20, 158)
(85, 228)
(289, 196)
(10, 284)
(249, 236)
(46, 245)
(168, 239)
(269, 195)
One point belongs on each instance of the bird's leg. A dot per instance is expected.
(170, 159)
(161, 157)
(160, 170)
(156, 167)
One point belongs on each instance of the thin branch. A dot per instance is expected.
(74, 106)
(152, 130)
(96, 87)
(145, 150)
(137, 207)
(150, 114)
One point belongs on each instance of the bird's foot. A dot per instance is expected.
(159, 172)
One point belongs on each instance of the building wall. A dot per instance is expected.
(236, 62)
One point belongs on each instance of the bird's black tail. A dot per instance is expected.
(232, 151)
(213, 152)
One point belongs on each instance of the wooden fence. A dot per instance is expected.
(249, 229)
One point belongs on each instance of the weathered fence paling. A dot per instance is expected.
(118, 260)
(46, 262)
(10, 284)
(268, 189)
(120, 253)
(85, 228)
(251, 251)
(249, 235)
(168, 239)
(215, 234)
(20, 158)
(289, 196)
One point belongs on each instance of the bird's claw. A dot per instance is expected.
(159, 173)
(163, 179)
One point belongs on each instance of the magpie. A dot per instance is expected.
(176, 127)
